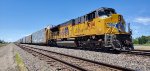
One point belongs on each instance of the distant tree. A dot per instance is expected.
(143, 40)
(148, 39)
(2, 41)
(135, 41)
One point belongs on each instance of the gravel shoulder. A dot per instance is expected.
(139, 63)
(33, 63)
(7, 62)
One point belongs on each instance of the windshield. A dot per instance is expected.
(106, 12)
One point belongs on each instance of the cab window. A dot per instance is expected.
(90, 16)
(106, 12)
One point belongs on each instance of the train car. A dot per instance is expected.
(102, 27)
(18, 41)
(24, 40)
(28, 39)
(21, 40)
(40, 37)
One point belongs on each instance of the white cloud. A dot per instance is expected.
(142, 20)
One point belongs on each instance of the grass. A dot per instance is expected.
(2, 44)
(148, 44)
(20, 63)
(137, 45)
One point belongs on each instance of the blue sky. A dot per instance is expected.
(19, 18)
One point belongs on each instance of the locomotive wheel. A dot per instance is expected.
(130, 48)
(117, 45)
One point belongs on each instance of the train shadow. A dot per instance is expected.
(110, 51)
(100, 49)
(103, 50)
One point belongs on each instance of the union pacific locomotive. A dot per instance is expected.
(102, 27)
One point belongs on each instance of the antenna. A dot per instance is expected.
(129, 29)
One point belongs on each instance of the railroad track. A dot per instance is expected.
(134, 52)
(138, 52)
(68, 62)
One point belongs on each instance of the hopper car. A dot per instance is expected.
(102, 27)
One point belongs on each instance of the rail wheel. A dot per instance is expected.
(117, 45)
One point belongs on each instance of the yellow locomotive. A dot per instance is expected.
(100, 28)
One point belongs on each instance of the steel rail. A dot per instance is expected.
(95, 62)
(69, 64)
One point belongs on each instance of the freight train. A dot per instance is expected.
(101, 28)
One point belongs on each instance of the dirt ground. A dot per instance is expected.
(142, 47)
(7, 62)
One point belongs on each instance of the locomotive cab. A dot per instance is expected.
(104, 13)
(114, 28)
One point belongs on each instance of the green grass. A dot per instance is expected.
(20, 63)
(136, 44)
(148, 44)
(2, 44)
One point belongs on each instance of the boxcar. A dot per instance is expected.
(39, 37)
(28, 39)
(24, 40)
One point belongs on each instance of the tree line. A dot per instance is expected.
(2, 41)
(142, 40)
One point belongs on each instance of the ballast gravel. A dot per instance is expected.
(33, 63)
(136, 62)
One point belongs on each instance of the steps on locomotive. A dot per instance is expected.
(108, 40)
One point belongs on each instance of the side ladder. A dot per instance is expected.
(108, 40)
